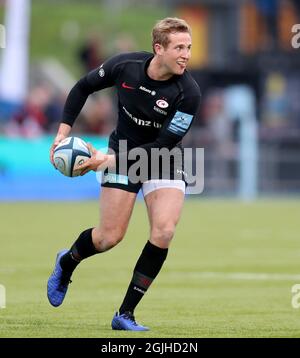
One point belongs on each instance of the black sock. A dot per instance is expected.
(82, 248)
(145, 271)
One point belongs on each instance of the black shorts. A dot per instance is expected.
(131, 180)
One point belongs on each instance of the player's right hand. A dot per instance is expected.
(94, 163)
(56, 142)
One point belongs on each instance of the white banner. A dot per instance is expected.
(14, 61)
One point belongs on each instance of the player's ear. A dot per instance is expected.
(158, 48)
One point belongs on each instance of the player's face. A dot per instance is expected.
(178, 52)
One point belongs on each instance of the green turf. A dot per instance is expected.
(49, 18)
(213, 236)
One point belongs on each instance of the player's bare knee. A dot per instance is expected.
(106, 239)
(113, 238)
(162, 235)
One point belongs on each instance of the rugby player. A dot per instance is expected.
(157, 102)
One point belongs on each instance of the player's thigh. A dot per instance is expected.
(164, 208)
(116, 206)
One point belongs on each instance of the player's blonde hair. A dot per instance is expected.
(164, 27)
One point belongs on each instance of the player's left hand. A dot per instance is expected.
(94, 163)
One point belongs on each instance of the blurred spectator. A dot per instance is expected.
(99, 118)
(293, 89)
(43, 109)
(53, 112)
(221, 135)
(91, 53)
(31, 119)
(124, 43)
(40, 111)
(275, 101)
(216, 120)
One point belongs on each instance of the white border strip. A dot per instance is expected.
(254, 276)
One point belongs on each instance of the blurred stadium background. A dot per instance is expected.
(248, 125)
(243, 60)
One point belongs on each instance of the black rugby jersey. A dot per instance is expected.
(151, 114)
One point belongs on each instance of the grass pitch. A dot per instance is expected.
(229, 272)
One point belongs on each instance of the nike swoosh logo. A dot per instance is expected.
(124, 85)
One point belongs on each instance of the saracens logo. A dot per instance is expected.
(162, 103)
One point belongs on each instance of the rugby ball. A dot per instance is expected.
(70, 153)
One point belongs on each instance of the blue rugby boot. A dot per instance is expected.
(126, 322)
(58, 282)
